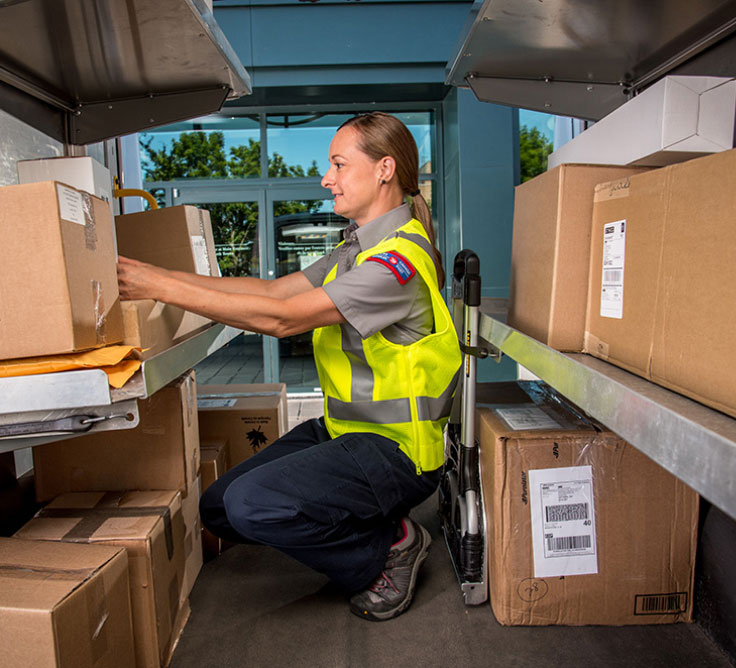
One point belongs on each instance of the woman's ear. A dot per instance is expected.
(387, 168)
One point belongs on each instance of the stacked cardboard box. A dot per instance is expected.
(548, 289)
(178, 238)
(663, 280)
(247, 417)
(213, 465)
(582, 527)
(64, 605)
(150, 526)
(58, 282)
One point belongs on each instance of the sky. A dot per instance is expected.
(537, 119)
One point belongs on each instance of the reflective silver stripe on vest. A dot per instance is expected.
(420, 241)
(387, 411)
(436, 408)
(361, 374)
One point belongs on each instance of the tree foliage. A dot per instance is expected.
(534, 151)
(234, 224)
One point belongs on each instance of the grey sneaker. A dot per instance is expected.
(392, 591)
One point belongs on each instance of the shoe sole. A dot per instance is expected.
(395, 612)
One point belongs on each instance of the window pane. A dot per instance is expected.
(421, 126)
(298, 144)
(305, 230)
(213, 147)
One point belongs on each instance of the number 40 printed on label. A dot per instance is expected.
(563, 521)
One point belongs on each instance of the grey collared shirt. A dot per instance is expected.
(369, 296)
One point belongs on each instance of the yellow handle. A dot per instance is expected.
(134, 192)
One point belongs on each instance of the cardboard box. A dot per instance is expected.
(193, 555)
(154, 326)
(177, 238)
(248, 417)
(58, 280)
(64, 606)
(213, 464)
(678, 118)
(150, 527)
(582, 527)
(162, 452)
(80, 172)
(548, 290)
(662, 278)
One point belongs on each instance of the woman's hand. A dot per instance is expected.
(138, 280)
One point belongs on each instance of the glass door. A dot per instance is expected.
(303, 229)
(236, 227)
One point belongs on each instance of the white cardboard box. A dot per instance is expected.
(676, 119)
(81, 172)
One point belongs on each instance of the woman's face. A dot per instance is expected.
(353, 178)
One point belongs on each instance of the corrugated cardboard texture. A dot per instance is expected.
(58, 280)
(679, 278)
(213, 465)
(154, 326)
(163, 237)
(645, 523)
(551, 251)
(193, 556)
(162, 452)
(64, 606)
(150, 527)
(247, 417)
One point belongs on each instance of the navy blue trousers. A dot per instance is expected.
(332, 504)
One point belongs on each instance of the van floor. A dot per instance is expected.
(253, 606)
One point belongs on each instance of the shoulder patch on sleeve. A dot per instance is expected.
(397, 263)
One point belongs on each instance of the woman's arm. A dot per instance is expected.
(265, 313)
(285, 286)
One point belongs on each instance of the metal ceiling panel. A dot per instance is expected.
(581, 57)
(136, 59)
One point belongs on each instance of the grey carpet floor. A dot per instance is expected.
(253, 607)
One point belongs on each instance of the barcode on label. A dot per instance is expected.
(660, 604)
(567, 512)
(567, 543)
(612, 276)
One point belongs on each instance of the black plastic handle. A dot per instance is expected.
(466, 278)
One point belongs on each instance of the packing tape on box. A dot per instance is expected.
(90, 226)
(94, 596)
(91, 519)
(100, 314)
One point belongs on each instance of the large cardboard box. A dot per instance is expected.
(177, 237)
(58, 281)
(81, 172)
(582, 527)
(213, 465)
(248, 417)
(193, 555)
(675, 119)
(150, 527)
(548, 289)
(663, 279)
(154, 326)
(64, 606)
(162, 452)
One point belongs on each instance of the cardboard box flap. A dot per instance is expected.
(38, 575)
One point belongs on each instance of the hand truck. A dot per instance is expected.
(460, 494)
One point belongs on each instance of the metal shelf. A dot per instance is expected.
(85, 71)
(53, 396)
(586, 59)
(692, 441)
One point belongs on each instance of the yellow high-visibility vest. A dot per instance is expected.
(402, 392)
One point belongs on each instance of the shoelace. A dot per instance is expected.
(382, 582)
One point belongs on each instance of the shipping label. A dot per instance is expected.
(612, 280)
(71, 206)
(201, 259)
(563, 521)
(523, 418)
